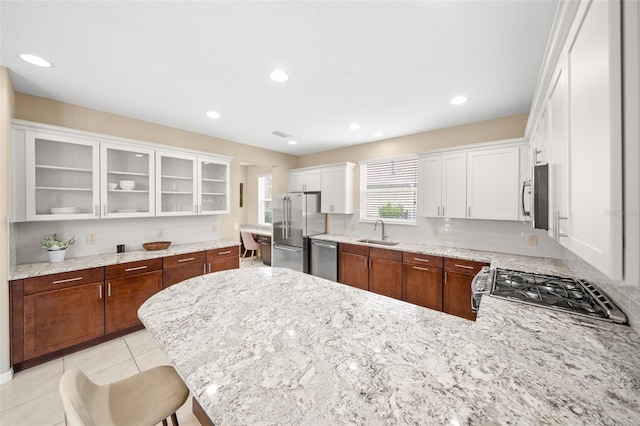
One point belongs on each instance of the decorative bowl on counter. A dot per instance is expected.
(156, 245)
(127, 185)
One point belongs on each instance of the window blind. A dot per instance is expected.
(388, 189)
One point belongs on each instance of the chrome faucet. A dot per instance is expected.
(375, 226)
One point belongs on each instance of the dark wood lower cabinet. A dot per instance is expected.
(458, 275)
(353, 268)
(58, 319)
(223, 259)
(265, 249)
(422, 286)
(124, 297)
(385, 272)
(182, 267)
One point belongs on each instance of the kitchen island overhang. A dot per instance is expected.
(270, 345)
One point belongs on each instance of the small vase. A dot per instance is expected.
(56, 255)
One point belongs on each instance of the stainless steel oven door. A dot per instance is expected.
(480, 285)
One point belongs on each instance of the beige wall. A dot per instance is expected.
(484, 131)
(41, 110)
(7, 102)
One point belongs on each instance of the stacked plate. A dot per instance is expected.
(65, 210)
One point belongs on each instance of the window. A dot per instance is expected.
(265, 211)
(388, 189)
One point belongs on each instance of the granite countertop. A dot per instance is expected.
(28, 270)
(274, 346)
(540, 265)
(257, 229)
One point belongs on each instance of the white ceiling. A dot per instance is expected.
(390, 66)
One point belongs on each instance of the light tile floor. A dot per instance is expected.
(32, 397)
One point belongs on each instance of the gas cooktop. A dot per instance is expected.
(566, 294)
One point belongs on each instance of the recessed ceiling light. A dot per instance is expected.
(378, 135)
(354, 126)
(35, 60)
(213, 114)
(279, 76)
(292, 142)
(459, 100)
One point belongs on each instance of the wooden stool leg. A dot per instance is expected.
(164, 422)
(174, 419)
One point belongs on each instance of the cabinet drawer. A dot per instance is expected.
(463, 266)
(223, 252)
(63, 280)
(422, 259)
(379, 253)
(263, 239)
(133, 268)
(187, 259)
(355, 249)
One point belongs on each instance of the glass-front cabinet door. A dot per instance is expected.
(176, 183)
(127, 181)
(213, 186)
(62, 177)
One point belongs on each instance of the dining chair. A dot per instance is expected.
(249, 244)
(146, 398)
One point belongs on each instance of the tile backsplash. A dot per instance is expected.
(25, 237)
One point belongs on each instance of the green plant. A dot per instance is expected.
(391, 211)
(51, 242)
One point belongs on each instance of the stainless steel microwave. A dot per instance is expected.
(540, 209)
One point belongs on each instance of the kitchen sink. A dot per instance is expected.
(379, 242)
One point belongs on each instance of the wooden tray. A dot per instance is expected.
(156, 245)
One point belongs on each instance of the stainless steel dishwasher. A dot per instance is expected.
(324, 259)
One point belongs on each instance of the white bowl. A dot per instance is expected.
(127, 185)
(112, 186)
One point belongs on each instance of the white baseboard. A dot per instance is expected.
(6, 376)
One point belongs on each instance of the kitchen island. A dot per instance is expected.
(273, 346)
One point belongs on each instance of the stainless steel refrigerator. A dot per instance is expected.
(296, 217)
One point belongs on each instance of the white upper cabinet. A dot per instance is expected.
(443, 184)
(430, 185)
(62, 177)
(70, 174)
(127, 188)
(493, 184)
(454, 185)
(594, 220)
(305, 180)
(191, 185)
(337, 189)
(579, 101)
(176, 180)
(213, 186)
(481, 181)
(558, 145)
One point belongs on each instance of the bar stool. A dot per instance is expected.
(142, 399)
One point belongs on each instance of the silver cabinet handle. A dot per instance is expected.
(438, 210)
(421, 269)
(204, 269)
(463, 266)
(67, 280)
(525, 183)
(135, 269)
(442, 210)
(96, 210)
(104, 210)
(186, 260)
(199, 208)
(224, 252)
(100, 291)
(109, 289)
(420, 260)
(468, 211)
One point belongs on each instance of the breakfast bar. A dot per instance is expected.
(274, 346)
